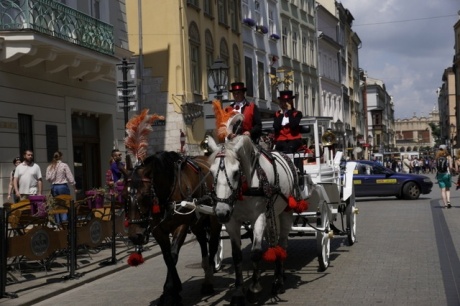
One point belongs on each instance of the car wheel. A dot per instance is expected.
(411, 191)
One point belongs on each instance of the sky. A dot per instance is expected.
(407, 44)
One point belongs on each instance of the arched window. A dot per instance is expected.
(209, 41)
(194, 40)
(224, 54)
(236, 63)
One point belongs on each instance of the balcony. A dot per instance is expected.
(36, 31)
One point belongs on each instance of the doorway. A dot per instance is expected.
(86, 153)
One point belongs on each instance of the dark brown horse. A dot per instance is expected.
(154, 190)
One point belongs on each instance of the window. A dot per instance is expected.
(209, 53)
(294, 45)
(224, 54)
(285, 39)
(207, 7)
(234, 15)
(222, 11)
(236, 63)
(193, 2)
(261, 77)
(312, 54)
(26, 140)
(271, 22)
(194, 37)
(96, 9)
(304, 50)
(249, 80)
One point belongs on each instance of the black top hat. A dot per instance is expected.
(286, 95)
(237, 86)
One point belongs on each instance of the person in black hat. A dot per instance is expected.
(286, 124)
(252, 124)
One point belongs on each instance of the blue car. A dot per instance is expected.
(372, 179)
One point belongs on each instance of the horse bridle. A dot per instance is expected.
(235, 191)
(145, 217)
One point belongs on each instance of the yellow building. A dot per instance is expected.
(176, 43)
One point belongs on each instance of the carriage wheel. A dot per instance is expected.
(219, 255)
(323, 239)
(351, 212)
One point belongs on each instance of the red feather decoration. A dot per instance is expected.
(138, 129)
(269, 255)
(135, 259)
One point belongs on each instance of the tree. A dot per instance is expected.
(436, 132)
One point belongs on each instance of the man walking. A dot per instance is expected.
(27, 177)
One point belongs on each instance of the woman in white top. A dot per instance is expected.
(59, 175)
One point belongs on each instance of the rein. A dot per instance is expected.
(234, 195)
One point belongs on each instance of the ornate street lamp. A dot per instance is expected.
(218, 79)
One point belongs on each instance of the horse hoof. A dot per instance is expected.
(237, 301)
(252, 297)
(278, 288)
(207, 289)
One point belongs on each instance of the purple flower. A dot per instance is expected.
(275, 36)
(262, 29)
(250, 22)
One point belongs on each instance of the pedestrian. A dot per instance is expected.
(443, 165)
(406, 164)
(286, 124)
(252, 124)
(59, 175)
(27, 177)
(11, 193)
(115, 165)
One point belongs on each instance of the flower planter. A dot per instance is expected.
(95, 199)
(262, 29)
(249, 22)
(38, 205)
(275, 36)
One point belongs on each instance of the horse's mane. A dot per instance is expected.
(240, 148)
(160, 167)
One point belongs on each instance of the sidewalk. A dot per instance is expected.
(35, 284)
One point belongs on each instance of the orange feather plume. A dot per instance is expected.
(138, 129)
(222, 117)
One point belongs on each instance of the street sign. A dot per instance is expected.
(131, 79)
(132, 106)
(131, 94)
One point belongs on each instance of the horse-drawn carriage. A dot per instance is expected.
(243, 183)
(327, 185)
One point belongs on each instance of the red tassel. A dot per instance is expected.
(135, 259)
(126, 223)
(269, 255)
(281, 253)
(156, 208)
(243, 189)
(302, 206)
(292, 203)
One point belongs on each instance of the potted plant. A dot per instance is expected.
(262, 29)
(275, 36)
(249, 22)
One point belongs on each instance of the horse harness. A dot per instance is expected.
(155, 207)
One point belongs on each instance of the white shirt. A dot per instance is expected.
(28, 176)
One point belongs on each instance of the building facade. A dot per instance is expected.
(58, 61)
(447, 108)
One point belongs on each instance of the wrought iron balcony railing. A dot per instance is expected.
(55, 19)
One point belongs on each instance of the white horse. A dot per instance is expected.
(235, 165)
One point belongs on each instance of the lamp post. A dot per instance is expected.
(218, 79)
(453, 129)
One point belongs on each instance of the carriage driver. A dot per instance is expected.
(286, 124)
(252, 124)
